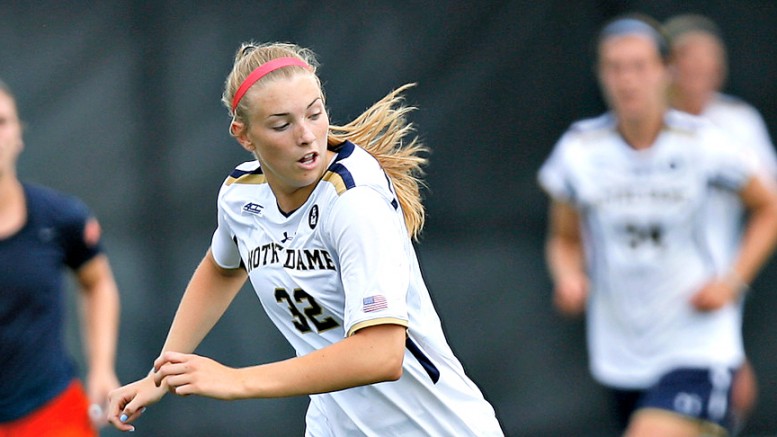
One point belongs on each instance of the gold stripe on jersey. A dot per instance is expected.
(376, 322)
(336, 180)
(248, 178)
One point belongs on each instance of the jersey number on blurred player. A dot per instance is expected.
(641, 235)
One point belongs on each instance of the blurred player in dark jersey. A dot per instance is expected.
(44, 233)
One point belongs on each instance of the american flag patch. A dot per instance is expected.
(374, 303)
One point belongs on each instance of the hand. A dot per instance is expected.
(98, 384)
(130, 401)
(715, 295)
(570, 295)
(188, 374)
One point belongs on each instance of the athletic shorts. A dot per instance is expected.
(67, 415)
(696, 393)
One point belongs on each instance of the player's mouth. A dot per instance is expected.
(309, 160)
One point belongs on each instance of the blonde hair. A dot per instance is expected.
(380, 130)
(250, 56)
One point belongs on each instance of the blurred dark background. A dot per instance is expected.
(122, 107)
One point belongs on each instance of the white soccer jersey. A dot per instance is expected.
(749, 136)
(341, 262)
(642, 214)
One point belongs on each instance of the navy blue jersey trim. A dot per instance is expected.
(343, 151)
(237, 173)
(344, 174)
(394, 202)
(426, 363)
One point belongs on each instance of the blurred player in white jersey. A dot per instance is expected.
(321, 223)
(699, 68)
(627, 243)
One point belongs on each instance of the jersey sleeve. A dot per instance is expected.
(369, 237)
(553, 175)
(729, 167)
(223, 246)
(81, 234)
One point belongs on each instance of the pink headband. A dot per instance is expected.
(263, 70)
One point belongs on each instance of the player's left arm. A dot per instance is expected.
(100, 307)
(371, 355)
(757, 244)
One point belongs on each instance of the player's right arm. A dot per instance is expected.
(209, 293)
(565, 259)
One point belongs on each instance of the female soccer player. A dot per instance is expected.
(699, 69)
(43, 234)
(627, 238)
(321, 223)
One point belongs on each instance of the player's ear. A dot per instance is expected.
(238, 130)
